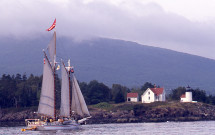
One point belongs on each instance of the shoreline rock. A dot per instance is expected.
(135, 113)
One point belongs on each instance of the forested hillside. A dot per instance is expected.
(111, 62)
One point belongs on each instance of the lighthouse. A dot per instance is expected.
(187, 97)
(188, 94)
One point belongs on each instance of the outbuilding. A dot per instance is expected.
(132, 97)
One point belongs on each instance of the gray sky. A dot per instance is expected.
(181, 25)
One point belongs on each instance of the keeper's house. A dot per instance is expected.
(153, 94)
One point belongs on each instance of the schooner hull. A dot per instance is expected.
(58, 127)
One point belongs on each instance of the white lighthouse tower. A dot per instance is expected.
(188, 94)
(187, 97)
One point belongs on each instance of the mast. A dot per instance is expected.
(70, 102)
(52, 55)
(70, 105)
(54, 96)
(54, 74)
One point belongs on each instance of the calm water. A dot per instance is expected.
(167, 128)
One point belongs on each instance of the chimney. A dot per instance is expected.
(154, 85)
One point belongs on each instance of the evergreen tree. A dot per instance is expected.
(85, 92)
(119, 97)
(146, 86)
(116, 90)
(199, 95)
(98, 92)
(176, 93)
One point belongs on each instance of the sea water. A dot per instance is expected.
(165, 128)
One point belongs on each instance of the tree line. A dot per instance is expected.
(22, 91)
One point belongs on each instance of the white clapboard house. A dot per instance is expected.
(153, 94)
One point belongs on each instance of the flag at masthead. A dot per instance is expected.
(53, 26)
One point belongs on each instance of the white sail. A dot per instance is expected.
(65, 94)
(78, 103)
(52, 50)
(47, 97)
(46, 105)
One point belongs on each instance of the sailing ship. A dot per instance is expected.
(72, 100)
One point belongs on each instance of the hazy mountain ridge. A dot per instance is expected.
(112, 61)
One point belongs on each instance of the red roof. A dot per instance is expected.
(183, 96)
(132, 94)
(157, 91)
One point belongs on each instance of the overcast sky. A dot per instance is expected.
(181, 25)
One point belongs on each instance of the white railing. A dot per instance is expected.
(34, 122)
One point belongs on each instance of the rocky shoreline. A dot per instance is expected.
(182, 112)
(127, 113)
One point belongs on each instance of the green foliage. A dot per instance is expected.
(146, 86)
(22, 91)
(211, 99)
(19, 91)
(198, 95)
(7, 87)
(124, 106)
(103, 105)
(95, 92)
(119, 97)
(176, 93)
(143, 88)
(85, 92)
(119, 93)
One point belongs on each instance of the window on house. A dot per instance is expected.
(149, 98)
(129, 99)
(149, 92)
